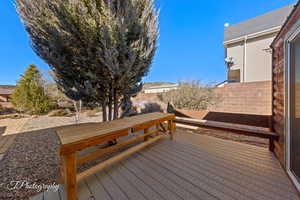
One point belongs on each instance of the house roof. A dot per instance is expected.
(286, 22)
(271, 20)
(6, 91)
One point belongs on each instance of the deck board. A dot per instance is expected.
(231, 180)
(202, 181)
(39, 197)
(97, 188)
(161, 189)
(191, 167)
(62, 193)
(111, 187)
(84, 192)
(185, 184)
(171, 185)
(51, 195)
(139, 183)
(238, 177)
(131, 192)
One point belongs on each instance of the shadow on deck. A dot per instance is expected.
(189, 167)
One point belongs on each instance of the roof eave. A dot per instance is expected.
(253, 35)
(285, 23)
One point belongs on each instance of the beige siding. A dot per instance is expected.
(237, 52)
(258, 59)
(257, 63)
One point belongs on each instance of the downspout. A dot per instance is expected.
(245, 57)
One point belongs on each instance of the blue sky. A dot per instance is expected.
(190, 44)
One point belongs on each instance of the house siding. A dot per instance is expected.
(259, 59)
(279, 86)
(252, 58)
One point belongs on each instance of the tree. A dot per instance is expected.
(29, 94)
(99, 50)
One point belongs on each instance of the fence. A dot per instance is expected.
(245, 98)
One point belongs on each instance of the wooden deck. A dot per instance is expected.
(191, 167)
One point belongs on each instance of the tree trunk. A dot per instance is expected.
(116, 106)
(80, 106)
(76, 112)
(110, 104)
(104, 112)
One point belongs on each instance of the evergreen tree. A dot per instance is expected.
(29, 95)
(99, 50)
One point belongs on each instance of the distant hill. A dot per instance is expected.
(7, 87)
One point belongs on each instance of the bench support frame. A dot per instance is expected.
(70, 161)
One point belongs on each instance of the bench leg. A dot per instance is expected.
(146, 130)
(157, 129)
(171, 128)
(70, 172)
(271, 145)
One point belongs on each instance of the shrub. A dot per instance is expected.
(170, 108)
(191, 95)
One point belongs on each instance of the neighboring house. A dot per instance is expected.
(160, 89)
(5, 94)
(247, 46)
(286, 94)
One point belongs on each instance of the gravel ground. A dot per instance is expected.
(44, 122)
(32, 158)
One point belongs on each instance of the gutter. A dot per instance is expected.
(254, 35)
(245, 57)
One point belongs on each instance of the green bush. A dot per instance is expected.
(170, 108)
(29, 95)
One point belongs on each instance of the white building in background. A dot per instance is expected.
(161, 89)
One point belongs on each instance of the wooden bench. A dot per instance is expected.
(233, 128)
(79, 137)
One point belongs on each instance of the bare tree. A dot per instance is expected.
(191, 95)
(99, 50)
